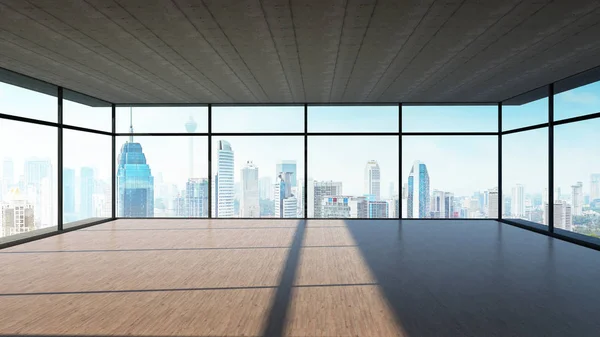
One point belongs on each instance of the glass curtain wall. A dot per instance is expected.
(450, 162)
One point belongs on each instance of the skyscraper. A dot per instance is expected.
(418, 191)
(518, 201)
(563, 216)
(190, 127)
(321, 189)
(17, 214)
(265, 188)
(286, 204)
(493, 203)
(438, 204)
(224, 185)
(38, 182)
(287, 166)
(68, 191)
(135, 183)
(86, 205)
(577, 198)
(373, 179)
(594, 186)
(196, 198)
(249, 203)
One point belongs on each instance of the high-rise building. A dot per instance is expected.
(17, 214)
(492, 203)
(196, 198)
(38, 182)
(249, 201)
(394, 207)
(68, 191)
(286, 204)
(299, 192)
(378, 209)
(449, 205)
(518, 201)
(594, 186)
(86, 204)
(418, 191)
(577, 198)
(438, 204)
(563, 216)
(224, 185)
(288, 166)
(190, 127)
(135, 183)
(373, 179)
(321, 189)
(265, 188)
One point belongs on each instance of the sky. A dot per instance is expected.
(459, 164)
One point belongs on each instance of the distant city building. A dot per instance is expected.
(438, 204)
(373, 179)
(299, 192)
(563, 216)
(17, 214)
(69, 191)
(265, 188)
(577, 198)
(518, 201)
(359, 207)
(249, 201)
(319, 190)
(378, 209)
(196, 198)
(190, 127)
(224, 185)
(418, 191)
(288, 166)
(392, 190)
(594, 186)
(449, 205)
(87, 189)
(135, 183)
(493, 203)
(38, 181)
(394, 207)
(286, 204)
(335, 207)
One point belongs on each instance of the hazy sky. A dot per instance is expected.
(460, 164)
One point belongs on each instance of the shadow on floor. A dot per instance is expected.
(481, 278)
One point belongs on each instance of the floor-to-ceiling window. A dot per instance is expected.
(450, 161)
(161, 162)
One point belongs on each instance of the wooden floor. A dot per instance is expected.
(299, 278)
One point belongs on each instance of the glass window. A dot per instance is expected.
(87, 177)
(86, 112)
(353, 118)
(353, 177)
(577, 177)
(29, 177)
(17, 101)
(164, 119)
(525, 176)
(162, 176)
(249, 119)
(576, 102)
(450, 176)
(440, 118)
(258, 177)
(518, 116)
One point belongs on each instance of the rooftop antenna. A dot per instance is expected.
(131, 124)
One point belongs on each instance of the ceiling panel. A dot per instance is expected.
(316, 51)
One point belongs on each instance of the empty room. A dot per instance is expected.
(299, 168)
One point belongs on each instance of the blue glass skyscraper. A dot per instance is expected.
(135, 183)
(418, 191)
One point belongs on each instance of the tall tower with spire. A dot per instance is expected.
(135, 183)
(190, 127)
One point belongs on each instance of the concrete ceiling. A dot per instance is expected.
(186, 51)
